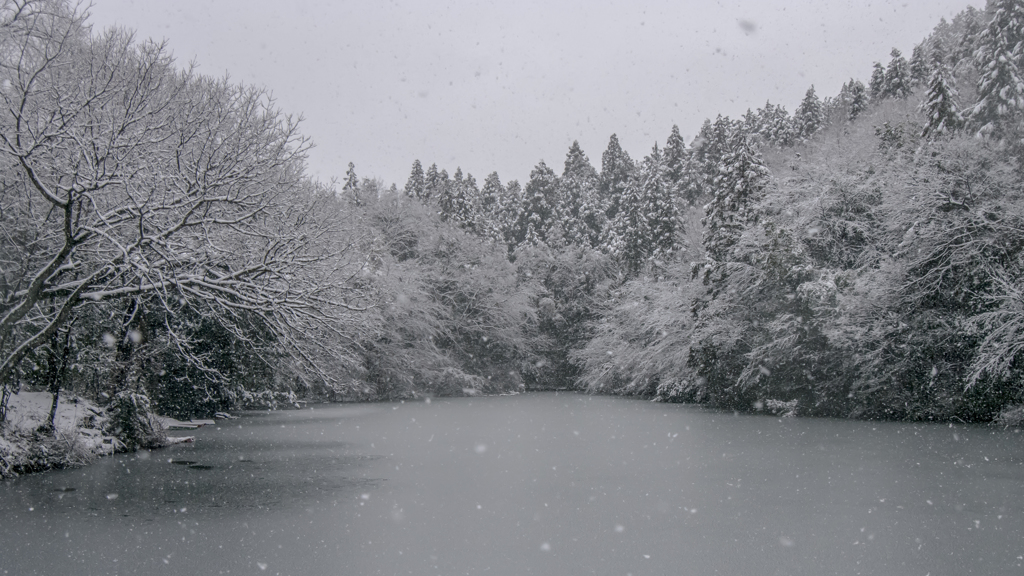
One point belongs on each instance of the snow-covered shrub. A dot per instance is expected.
(1011, 416)
(132, 421)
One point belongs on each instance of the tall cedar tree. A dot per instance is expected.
(776, 125)
(455, 201)
(616, 169)
(678, 172)
(487, 213)
(510, 206)
(469, 203)
(414, 188)
(635, 223)
(920, 72)
(897, 76)
(858, 99)
(664, 214)
(810, 115)
(580, 211)
(538, 206)
(446, 197)
(971, 23)
(940, 108)
(1000, 83)
(876, 86)
(741, 181)
(430, 182)
(709, 147)
(442, 185)
(351, 180)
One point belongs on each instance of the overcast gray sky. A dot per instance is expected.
(499, 86)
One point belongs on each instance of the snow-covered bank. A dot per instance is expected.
(82, 432)
(77, 438)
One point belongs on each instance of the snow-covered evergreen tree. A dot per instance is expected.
(776, 125)
(351, 185)
(510, 205)
(443, 184)
(897, 76)
(632, 223)
(415, 186)
(942, 113)
(752, 122)
(969, 25)
(809, 116)
(711, 145)
(469, 198)
(663, 219)
(858, 99)
(456, 200)
(646, 229)
(741, 181)
(919, 69)
(999, 59)
(579, 208)
(876, 86)
(538, 206)
(431, 183)
(679, 173)
(446, 198)
(616, 169)
(488, 203)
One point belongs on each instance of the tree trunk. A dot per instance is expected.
(57, 370)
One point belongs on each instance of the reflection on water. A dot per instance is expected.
(533, 484)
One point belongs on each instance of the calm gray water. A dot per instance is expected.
(540, 483)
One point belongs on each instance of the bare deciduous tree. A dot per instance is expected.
(125, 178)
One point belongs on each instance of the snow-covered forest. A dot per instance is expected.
(162, 246)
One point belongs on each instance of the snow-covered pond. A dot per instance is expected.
(540, 483)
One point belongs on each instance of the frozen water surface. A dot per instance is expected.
(533, 484)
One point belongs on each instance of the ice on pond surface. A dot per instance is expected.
(366, 489)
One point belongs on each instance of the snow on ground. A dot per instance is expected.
(76, 440)
(30, 410)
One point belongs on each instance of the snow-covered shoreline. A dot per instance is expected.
(78, 437)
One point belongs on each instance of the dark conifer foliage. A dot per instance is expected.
(446, 197)
(510, 206)
(416, 185)
(919, 67)
(579, 208)
(487, 215)
(646, 224)
(967, 31)
(999, 58)
(858, 99)
(774, 124)
(538, 206)
(897, 77)
(616, 169)
(469, 199)
(431, 183)
(940, 107)
(876, 87)
(741, 180)
(708, 149)
(679, 170)
(442, 185)
(810, 115)
(351, 180)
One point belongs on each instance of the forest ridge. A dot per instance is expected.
(163, 249)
